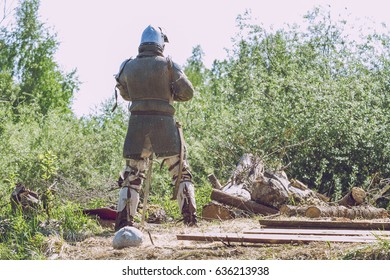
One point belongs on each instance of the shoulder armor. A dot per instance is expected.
(121, 68)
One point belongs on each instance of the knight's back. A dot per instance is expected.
(147, 78)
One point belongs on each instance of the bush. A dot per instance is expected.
(309, 96)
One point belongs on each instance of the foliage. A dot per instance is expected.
(28, 236)
(311, 96)
(27, 54)
(380, 250)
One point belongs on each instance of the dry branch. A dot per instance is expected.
(381, 195)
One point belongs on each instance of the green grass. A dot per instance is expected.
(26, 237)
(380, 250)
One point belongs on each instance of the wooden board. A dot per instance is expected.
(325, 224)
(274, 238)
(318, 232)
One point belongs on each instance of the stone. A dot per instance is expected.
(127, 237)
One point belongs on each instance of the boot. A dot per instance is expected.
(189, 215)
(122, 220)
(127, 207)
(186, 200)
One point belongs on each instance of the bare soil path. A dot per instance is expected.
(160, 243)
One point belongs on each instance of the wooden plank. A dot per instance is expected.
(325, 224)
(274, 238)
(317, 232)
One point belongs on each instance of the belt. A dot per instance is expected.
(151, 113)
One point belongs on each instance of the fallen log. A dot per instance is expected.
(276, 190)
(214, 182)
(270, 192)
(214, 211)
(248, 169)
(354, 197)
(299, 185)
(325, 224)
(363, 212)
(246, 205)
(290, 210)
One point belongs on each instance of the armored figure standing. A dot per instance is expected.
(152, 82)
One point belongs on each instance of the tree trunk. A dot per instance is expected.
(289, 210)
(355, 197)
(214, 182)
(215, 211)
(242, 204)
(299, 185)
(270, 192)
(275, 190)
(364, 212)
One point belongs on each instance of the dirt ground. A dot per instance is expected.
(160, 243)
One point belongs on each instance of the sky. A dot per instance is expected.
(97, 35)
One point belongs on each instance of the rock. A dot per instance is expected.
(127, 237)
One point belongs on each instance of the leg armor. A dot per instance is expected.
(186, 192)
(131, 179)
(187, 204)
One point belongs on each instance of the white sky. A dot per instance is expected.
(97, 35)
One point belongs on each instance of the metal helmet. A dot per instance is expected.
(154, 36)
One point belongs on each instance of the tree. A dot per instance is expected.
(313, 97)
(195, 68)
(28, 56)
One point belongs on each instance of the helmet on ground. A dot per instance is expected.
(154, 36)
